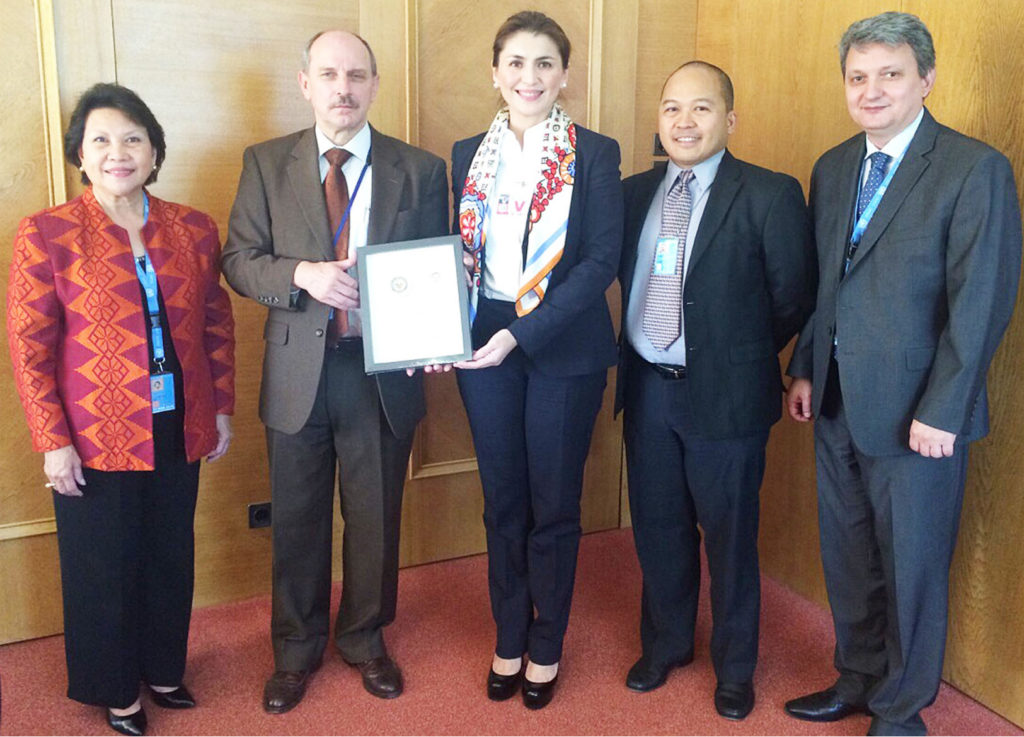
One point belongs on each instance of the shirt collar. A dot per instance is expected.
(532, 137)
(898, 143)
(704, 172)
(358, 145)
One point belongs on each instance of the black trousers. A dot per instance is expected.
(532, 434)
(888, 530)
(677, 481)
(127, 564)
(346, 435)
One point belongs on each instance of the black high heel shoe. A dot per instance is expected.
(502, 688)
(133, 724)
(179, 698)
(538, 695)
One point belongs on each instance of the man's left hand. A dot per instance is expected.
(931, 442)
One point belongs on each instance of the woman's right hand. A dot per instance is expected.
(63, 468)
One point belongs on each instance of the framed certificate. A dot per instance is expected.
(414, 303)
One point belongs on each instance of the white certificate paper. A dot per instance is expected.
(414, 304)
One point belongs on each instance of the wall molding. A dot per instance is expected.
(30, 528)
(46, 45)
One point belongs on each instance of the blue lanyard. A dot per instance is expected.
(344, 217)
(872, 206)
(147, 276)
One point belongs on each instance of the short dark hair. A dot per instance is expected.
(535, 22)
(120, 98)
(891, 29)
(723, 80)
(309, 46)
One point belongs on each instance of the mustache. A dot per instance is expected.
(346, 100)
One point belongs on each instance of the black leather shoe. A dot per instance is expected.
(647, 674)
(285, 689)
(501, 688)
(823, 706)
(381, 677)
(734, 700)
(133, 724)
(538, 695)
(179, 698)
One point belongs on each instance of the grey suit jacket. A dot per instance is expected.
(929, 293)
(279, 218)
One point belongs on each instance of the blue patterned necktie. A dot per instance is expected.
(879, 165)
(663, 306)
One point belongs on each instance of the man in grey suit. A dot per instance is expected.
(918, 234)
(305, 203)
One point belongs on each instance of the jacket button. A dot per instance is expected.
(319, 332)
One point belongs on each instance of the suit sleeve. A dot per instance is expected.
(600, 247)
(248, 261)
(435, 222)
(790, 262)
(983, 259)
(33, 334)
(801, 363)
(219, 325)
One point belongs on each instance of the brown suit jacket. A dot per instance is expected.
(279, 218)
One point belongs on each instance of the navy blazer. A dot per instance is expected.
(929, 292)
(570, 332)
(749, 287)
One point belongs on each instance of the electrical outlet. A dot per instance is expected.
(259, 515)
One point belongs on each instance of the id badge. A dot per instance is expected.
(666, 251)
(161, 388)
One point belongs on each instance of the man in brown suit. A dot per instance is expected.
(301, 212)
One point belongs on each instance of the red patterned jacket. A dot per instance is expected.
(77, 330)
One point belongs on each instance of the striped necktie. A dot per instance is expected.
(663, 306)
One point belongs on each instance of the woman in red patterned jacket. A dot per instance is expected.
(123, 350)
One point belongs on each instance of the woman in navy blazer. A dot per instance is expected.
(538, 202)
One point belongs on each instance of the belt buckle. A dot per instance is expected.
(670, 372)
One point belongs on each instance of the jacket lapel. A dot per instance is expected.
(646, 187)
(304, 176)
(846, 187)
(723, 192)
(386, 191)
(911, 168)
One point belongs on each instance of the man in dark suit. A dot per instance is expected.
(305, 203)
(717, 275)
(918, 235)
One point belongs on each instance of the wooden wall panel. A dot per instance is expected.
(978, 91)
(28, 563)
(667, 38)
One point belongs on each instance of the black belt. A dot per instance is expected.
(347, 345)
(668, 371)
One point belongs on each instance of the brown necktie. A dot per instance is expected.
(336, 197)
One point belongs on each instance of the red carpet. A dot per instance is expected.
(443, 639)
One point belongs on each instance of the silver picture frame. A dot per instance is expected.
(414, 304)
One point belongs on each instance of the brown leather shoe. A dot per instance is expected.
(285, 689)
(381, 677)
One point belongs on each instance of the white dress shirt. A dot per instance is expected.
(511, 195)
